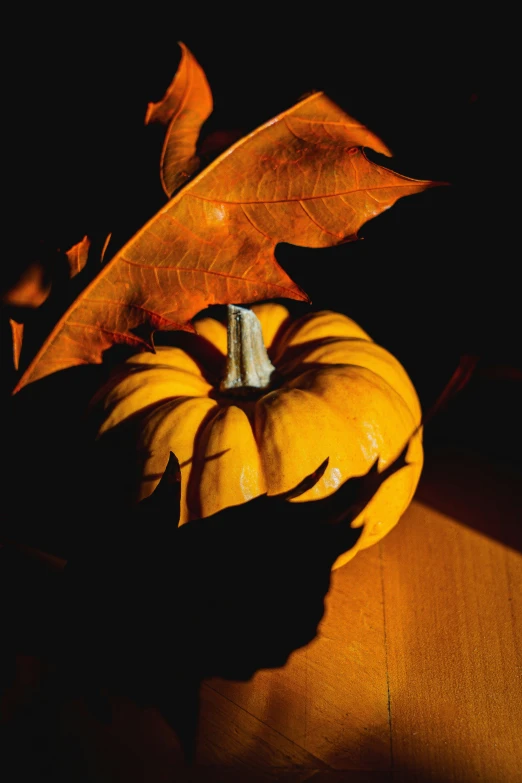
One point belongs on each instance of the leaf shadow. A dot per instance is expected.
(146, 610)
(209, 359)
(153, 609)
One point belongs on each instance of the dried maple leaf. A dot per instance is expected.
(184, 108)
(301, 178)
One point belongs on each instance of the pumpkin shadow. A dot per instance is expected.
(147, 610)
(151, 609)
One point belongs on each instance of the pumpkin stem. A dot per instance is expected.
(248, 366)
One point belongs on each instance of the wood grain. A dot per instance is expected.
(331, 698)
(417, 670)
(453, 643)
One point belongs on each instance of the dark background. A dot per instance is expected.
(432, 279)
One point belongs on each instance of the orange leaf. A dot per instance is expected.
(32, 287)
(17, 332)
(77, 256)
(301, 178)
(184, 108)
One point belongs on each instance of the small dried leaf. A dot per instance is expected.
(32, 287)
(77, 256)
(184, 108)
(105, 246)
(462, 375)
(17, 331)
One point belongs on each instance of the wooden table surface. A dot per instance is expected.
(416, 674)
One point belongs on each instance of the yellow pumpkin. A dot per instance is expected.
(337, 394)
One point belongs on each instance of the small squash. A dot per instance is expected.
(322, 388)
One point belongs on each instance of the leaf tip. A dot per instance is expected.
(299, 294)
(439, 183)
(78, 255)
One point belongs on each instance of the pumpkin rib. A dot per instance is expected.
(276, 414)
(316, 326)
(199, 443)
(323, 382)
(173, 426)
(372, 356)
(393, 497)
(231, 469)
(165, 356)
(213, 331)
(163, 410)
(128, 397)
(325, 377)
(398, 487)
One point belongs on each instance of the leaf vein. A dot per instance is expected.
(253, 281)
(125, 336)
(306, 198)
(316, 223)
(256, 228)
(185, 228)
(292, 132)
(131, 306)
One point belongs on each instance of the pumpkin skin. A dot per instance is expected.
(341, 396)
